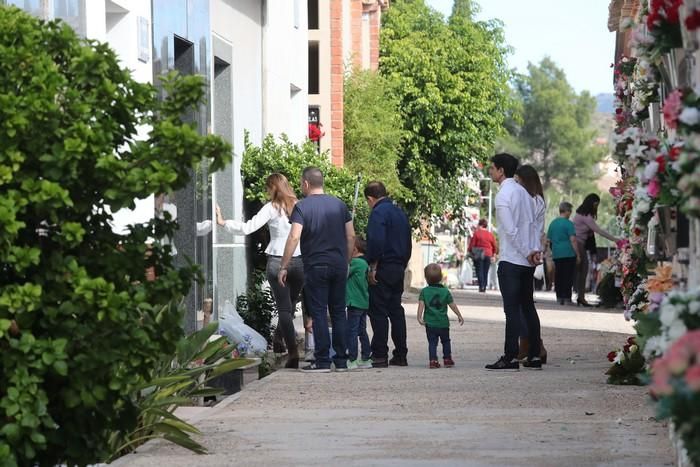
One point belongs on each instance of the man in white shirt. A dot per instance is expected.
(520, 252)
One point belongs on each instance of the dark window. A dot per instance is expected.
(313, 68)
(313, 14)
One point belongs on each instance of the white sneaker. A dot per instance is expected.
(352, 365)
(364, 364)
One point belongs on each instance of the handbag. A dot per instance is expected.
(478, 253)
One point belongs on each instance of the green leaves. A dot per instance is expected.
(450, 80)
(80, 327)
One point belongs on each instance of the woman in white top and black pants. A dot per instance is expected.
(527, 176)
(275, 214)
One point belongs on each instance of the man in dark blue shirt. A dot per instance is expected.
(324, 226)
(388, 252)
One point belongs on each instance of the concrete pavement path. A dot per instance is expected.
(564, 415)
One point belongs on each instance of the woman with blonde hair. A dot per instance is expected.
(275, 214)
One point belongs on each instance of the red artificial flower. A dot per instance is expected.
(626, 348)
(632, 340)
(661, 160)
(653, 143)
(611, 356)
(692, 22)
(674, 153)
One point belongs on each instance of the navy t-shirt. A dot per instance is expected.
(323, 240)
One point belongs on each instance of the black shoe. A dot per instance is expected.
(560, 301)
(315, 369)
(398, 361)
(534, 364)
(583, 304)
(292, 363)
(504, 365)
(379, 363)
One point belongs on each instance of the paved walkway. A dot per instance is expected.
(564, 415)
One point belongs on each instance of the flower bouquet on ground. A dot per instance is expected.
(627, 364)
(676, 386)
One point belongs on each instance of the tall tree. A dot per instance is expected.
(451, 82)
(557, 133)
(372, 130)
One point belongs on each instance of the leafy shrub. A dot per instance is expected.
(175, 382)
(290, 159)
(80, 328)
(257, 307)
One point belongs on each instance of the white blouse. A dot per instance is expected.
(276, 220)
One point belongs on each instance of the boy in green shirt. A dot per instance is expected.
(357, 300)
(434, 300)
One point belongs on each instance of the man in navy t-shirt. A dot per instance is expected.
(324, 226)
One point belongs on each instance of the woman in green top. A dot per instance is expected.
(434, 300)
(562, 236)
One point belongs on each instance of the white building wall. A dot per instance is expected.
(117, 22)
(285, 69)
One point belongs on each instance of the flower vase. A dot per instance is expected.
(652, 237)
(668, 68)
(654, 117)
(667, 216)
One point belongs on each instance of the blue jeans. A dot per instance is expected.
(324, 294)
(516, 289)
(357, 327)
(433, 335)
(482, 271)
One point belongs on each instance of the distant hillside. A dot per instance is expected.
(605, 103)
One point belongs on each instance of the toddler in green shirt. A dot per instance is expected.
(357, 301)
(433, 302)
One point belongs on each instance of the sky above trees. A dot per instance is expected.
(572, 32)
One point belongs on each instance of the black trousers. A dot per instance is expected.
(384, 308)
(564, 271)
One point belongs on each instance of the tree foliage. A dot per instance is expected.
(451, 82)
(372, 130)
(290, 159)
(80, 328)
(556, 134)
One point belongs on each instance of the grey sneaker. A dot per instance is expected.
(534, 364)
(504, 365)
(314, 369)
(353, 365)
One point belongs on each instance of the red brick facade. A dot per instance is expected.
(358, 8)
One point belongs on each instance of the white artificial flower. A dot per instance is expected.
(668, 315)
(643, 206)
(650, 170)
(676, 330)
(618, 357)
(694, 308)
(631, 132)
(690, 116)
(653, 347)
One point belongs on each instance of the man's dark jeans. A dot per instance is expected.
(482, 271)
(324, 293)
(357, 328)
(564, 272)
(433, 335)
(384, 307)
(516, 289)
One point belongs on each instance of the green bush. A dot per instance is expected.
(257, 307)
(80, 328)
(290, 159)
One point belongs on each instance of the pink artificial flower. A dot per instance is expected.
(660, 376)
(654, 188)
(672, 108)
(692, 377)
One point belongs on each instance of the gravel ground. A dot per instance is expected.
(564, 415)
